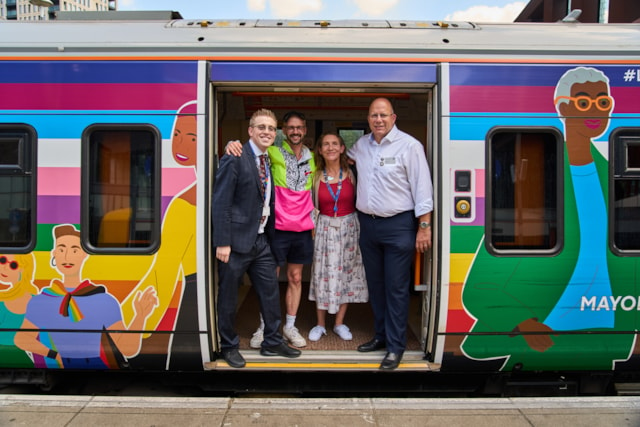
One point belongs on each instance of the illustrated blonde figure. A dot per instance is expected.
(16, 290)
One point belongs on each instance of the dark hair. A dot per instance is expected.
(292, 114)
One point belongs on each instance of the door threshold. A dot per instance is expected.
(312, 360)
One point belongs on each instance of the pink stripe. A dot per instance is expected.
(95, 96)
(66, 181)
(480, 180)
(175, 180)
(526, 99)
(502, 99)
(58, 181)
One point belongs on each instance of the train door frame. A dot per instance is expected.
(235, 78)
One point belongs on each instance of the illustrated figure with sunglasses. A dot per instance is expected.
(394, 201)
(243, 224)
(542, 298)
(16, 290)
(292, 167)
(56, 318)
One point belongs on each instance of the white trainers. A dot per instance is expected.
(343, 332)
(293, 336)
(317, 332)
(256, 339)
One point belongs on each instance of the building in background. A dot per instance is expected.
(28, 10)
(602, 11)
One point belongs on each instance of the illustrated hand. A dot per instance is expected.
(145, 301)
(541, 342)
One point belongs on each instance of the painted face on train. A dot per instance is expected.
(381, 118)
(589, 108)
(263, 132)
(10, 271)
(68, 255)
(184, 140)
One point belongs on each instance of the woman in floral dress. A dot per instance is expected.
(337, 274)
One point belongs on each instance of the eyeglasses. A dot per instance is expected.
(584, 103)
(13, 264)
(262, 128)
(381, 116)
(297, 128)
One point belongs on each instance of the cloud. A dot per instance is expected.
(290, 8)
(507, 13)
(375, 7)
(256, 5)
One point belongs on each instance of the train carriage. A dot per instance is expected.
(111, 132)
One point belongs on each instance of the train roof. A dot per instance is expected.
(163, 36)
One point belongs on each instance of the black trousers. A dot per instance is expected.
(261, 268)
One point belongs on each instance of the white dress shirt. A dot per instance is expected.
(393, 176)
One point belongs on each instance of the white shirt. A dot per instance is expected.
(267, 191)
(393, 176)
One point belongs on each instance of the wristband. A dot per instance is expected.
(52, 354)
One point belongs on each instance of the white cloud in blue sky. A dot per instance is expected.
(414, 10)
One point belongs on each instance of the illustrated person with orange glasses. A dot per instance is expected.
(584, 105)
(553, 308)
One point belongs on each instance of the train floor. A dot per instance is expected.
(359, 319)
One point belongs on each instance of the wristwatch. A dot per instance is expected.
(424, 224)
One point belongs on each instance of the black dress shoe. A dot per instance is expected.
(233, 357)
(280, 350)
(373, 345)
(391, 361)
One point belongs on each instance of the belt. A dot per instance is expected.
(374, 216)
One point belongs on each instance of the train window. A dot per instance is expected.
(626, 190)
(17, 187)
(350, 136)
(121, 188)
(524, 176)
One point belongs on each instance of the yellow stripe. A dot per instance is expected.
(308, 365)
(460, 264)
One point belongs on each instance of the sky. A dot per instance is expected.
(409, 10)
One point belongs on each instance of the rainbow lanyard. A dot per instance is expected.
(334, 196)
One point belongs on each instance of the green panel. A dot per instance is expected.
(465, 238)
(45, 238)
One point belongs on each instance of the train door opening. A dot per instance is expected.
(341, 110)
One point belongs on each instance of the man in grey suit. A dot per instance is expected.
(243, 221)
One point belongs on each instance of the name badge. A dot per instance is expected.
(334, 222)
(387, 161)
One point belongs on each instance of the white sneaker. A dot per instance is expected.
(343, 332)
(293, 336)
(317, 332)
(256, 339)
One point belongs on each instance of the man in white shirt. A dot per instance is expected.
(394, 201)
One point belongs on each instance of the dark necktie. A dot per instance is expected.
(263, 173)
